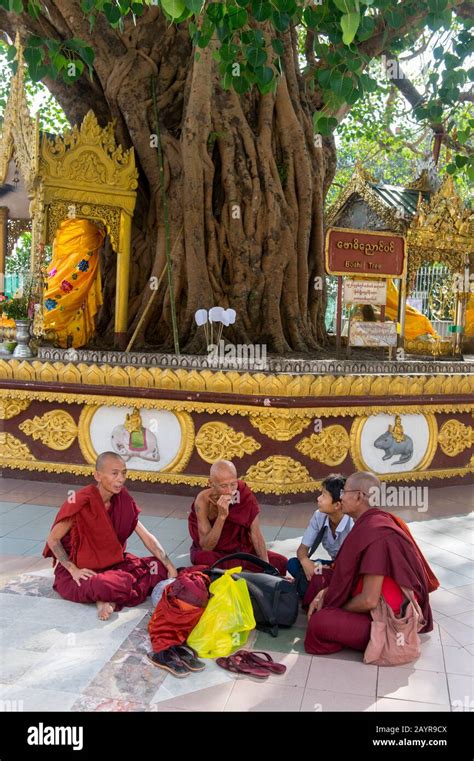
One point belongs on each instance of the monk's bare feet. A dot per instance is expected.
(105, 609)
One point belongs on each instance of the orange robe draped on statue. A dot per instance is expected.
(73, 288)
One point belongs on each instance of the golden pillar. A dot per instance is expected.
(3, 244)
(123, 276)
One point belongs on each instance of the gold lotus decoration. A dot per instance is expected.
(277, 428)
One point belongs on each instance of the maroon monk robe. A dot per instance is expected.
(235, 536)
(375, 546)
(121, 578)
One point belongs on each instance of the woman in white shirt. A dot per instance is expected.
(328, 526)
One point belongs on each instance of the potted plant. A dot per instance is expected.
(21, 308)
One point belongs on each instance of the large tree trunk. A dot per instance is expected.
(244, 180)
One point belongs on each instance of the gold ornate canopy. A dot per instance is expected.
(82, 173)
(19, 138)
(19, 145)
(442, 230)
(85, 174)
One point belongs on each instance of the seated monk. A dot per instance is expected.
(377, 558)
(88, 540)
(224, 519)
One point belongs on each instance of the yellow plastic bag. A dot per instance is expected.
(227, 620)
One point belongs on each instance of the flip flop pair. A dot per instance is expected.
(179, 660)
(246, 662)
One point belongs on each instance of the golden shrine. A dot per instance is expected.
(438, 228)
(82, 173)
(286, 427)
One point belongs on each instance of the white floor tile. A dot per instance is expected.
(461, 691)
(329, 673)
(407, 706)
(406, 684)
(324, 701)
(458, 661)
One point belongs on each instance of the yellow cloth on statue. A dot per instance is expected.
(469, 321)
(416, 324)
(73, 289)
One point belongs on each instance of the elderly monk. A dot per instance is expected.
(224, 519)
(88, 540)
(377, 558)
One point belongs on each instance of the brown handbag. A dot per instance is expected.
(394, 640)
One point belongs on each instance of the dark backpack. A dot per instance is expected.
(274, 600)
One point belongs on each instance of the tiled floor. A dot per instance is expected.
(59, 656)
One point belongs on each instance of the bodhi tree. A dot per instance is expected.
(241, 97)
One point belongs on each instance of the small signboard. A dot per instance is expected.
(365, 292)
(373, 334)
(354, 252)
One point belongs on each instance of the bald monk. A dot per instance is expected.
(224, 519)
(88, 540)
(378, 557)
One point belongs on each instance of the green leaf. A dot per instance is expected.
(264, 75)
(278, 46)
(366, 28)
(137, 9)
(461, 160)
(285, 6)
(16, 6)
(437, 6)
(33, 57)
(229, 52)
(394, 18)
(281, 21)
(215, 11)
(349, 25)
(261, 10)
(451, 168)
(240, 84)
(347, 6)
(88, 56)
(324, 125)
(112, 13)
(59, 61)
(323, 76)
(193, 5)
(173, 8)
(35, 42)
(11, 53)
(237, 18)
(255, 56)
(34, 9)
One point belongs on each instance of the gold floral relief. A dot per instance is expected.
(454, 437)
(11, 407)
(56, 429)
(13, 449)
(218, 441)
(279, 428)
(330, 446)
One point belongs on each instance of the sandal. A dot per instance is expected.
(239, 665)
(266, 663)
(169, 661)
(189, 657)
